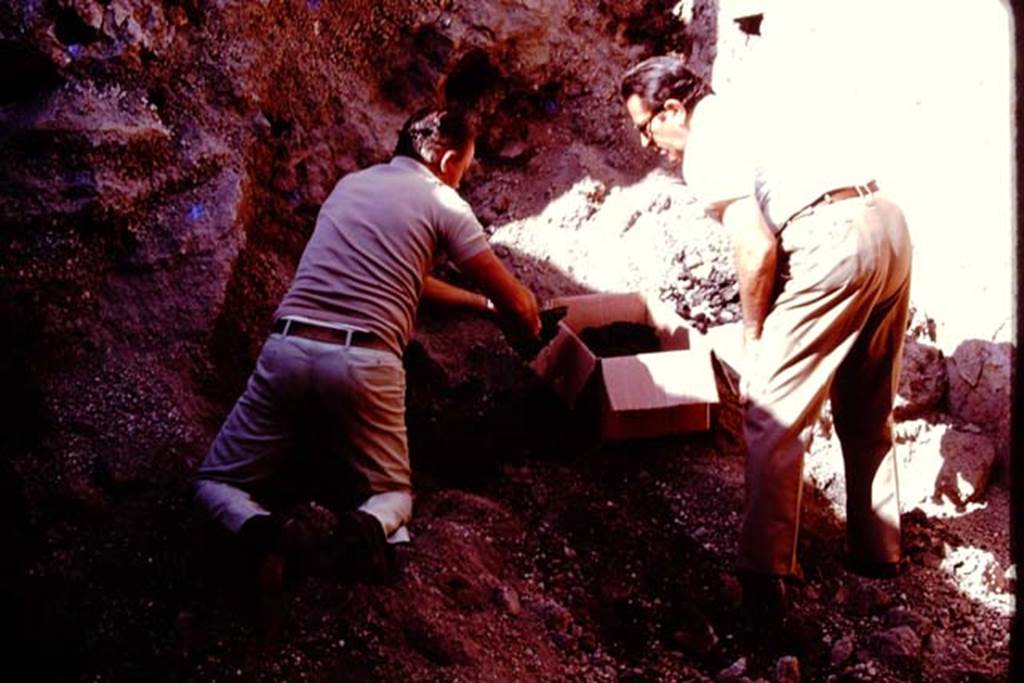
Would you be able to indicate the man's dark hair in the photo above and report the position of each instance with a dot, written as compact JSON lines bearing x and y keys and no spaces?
{"x":429,"y":132}
{"x":657,"y":79}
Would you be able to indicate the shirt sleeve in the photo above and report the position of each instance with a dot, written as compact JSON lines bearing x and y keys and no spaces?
{"x":718,"y":163}
{"x":462,"y":236}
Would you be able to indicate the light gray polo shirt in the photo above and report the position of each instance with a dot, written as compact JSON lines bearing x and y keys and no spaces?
{"x":376,"y":239}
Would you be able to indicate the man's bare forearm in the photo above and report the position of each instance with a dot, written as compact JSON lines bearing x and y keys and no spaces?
{"x":441,"y":293}
{"x":756,"y":255}
{"x":510,"y":296}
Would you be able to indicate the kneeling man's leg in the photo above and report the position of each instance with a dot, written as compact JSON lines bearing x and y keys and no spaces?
{"x":366,"y":400}
{"x":253,"y":442}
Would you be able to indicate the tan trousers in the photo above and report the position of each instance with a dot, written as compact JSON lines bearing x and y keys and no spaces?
{"x":836,"y":329}
{"x":359,"y":392}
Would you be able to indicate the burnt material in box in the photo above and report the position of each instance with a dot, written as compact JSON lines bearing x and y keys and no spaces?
{"x":620,"y":338}
{"x":641,"y":395}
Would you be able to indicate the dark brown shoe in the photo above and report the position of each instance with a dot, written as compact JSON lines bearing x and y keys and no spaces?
{"x":874,"y":570}
{"x":260,"y":534}
{"x":365,"y":556}
{"x":764,"y":596}
{"x":278,"y":549}
{"x":270,"y":574}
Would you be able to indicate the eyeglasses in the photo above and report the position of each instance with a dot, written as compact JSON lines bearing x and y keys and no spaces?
{"x":645,"y":127}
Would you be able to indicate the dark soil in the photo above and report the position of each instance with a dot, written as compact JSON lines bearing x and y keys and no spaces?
{"x":620,"y":339}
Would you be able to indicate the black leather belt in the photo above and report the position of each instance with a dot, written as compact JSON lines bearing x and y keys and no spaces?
{"x":329,"y":334}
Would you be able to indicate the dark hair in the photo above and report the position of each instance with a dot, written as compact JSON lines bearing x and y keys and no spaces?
{"x":657,"y":79}
{"x":428,"y":133}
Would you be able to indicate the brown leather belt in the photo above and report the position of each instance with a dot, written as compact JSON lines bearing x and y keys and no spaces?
{"x":361,"y":338}
{"x":833,"y":196}
{"x":841,"y":193}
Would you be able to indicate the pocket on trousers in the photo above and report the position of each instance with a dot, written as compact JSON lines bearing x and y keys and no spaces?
{"x":375,"y":370}
{"x":823,"y":251}
{"x":269,"y":353}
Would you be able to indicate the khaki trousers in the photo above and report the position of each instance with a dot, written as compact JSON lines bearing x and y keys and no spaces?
{"x":359,"y":393}
{"x":836,"y":330}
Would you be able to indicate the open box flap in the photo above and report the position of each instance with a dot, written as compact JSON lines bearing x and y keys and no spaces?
{"x":727,"y":343}
{"x":597,"y":310}
{"x":673,"y":332}
{"x":566,"y":363}
{"x":644,"y":424}
{"x":659,"y":380}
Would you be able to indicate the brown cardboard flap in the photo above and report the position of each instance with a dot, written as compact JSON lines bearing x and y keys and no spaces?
{"x":727,"y":343}
{"x":566,"y":364}
{"x":643,"y":395}
{"x":672,"y":331}
{"x":659,"y":380}
{"x":596,"y":310}
{"x":643,"y":424}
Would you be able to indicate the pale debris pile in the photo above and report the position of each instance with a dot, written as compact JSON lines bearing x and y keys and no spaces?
{"x":650,"y":237}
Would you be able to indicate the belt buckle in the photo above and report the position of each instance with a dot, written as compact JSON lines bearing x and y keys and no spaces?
{"x":866,"y":193}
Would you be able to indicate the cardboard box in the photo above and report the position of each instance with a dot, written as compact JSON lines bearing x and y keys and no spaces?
{"x":644,"y":395}
{"x":726,"y":341}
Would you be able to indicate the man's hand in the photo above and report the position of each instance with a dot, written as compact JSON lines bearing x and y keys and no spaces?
{"x":756,"y":253}
{"x":549,"y":318}
{"x":716,"y":210}
{"x":529,"y":316}
{"x":751,"y":340}
{"x":529,"y":347}
{"x":510,"y":297}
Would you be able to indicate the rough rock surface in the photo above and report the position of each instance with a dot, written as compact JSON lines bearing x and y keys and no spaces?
{"x":923,"y":380}
{"x":979,"y":387}
{"x":943,"y":462}
{"x":899,"y":645}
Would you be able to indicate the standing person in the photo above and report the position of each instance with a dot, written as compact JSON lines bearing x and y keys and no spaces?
{"x":338,"y":336}
{"x":823,"y":263}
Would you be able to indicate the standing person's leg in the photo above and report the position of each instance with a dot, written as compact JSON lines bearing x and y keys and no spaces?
{"x":862,"y":398}
{"x":253,"y":442}
{"x":824,"y":301}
